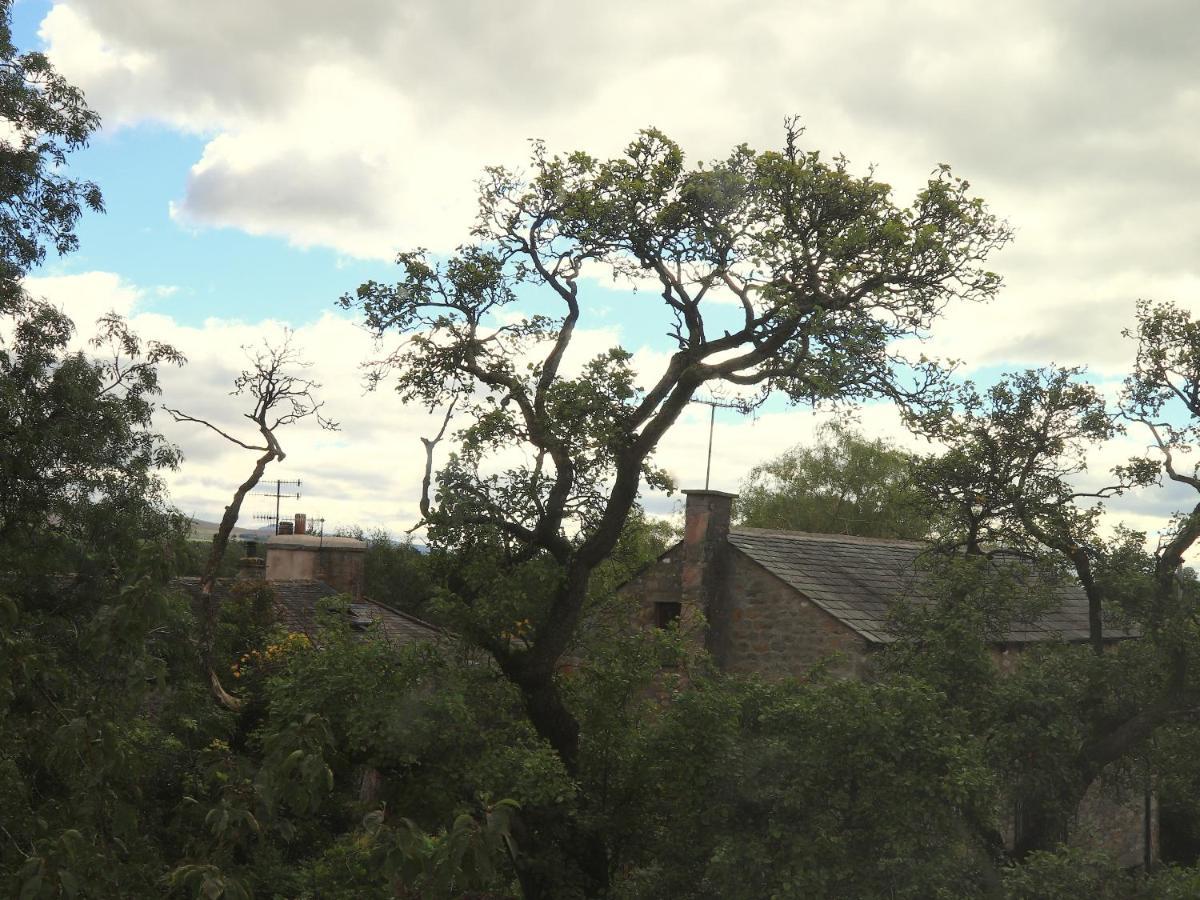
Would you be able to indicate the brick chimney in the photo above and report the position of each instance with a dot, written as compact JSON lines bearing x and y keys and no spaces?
{"x":252,"y":567}
{"x":705,"y":555}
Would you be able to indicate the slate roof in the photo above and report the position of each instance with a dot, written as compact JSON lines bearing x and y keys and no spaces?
{"x":857,"y":580}
{"x":296,"y":608}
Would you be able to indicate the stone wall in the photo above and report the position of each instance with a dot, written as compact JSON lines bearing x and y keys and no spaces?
{"x":775,"y":632}
{"x":1113,"y":819}
{"x":756,"y":624}
{"x":657,"y":583}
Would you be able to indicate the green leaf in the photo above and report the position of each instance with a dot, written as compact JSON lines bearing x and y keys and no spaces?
{"x":31,"y":888}
{"x":70,"y":884}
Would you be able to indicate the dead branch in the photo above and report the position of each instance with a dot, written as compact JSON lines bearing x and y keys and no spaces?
{"x":427,"y":478}
{"x":279,"y":398}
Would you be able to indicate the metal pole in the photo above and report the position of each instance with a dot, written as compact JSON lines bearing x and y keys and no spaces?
{"x":278,"y":488}
{"x":712,"y":420}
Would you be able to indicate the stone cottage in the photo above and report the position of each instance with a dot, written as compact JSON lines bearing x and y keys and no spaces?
{"x":776,"y":603}
{"x":304,"y":569}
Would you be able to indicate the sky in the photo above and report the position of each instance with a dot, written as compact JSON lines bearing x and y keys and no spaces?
{"x":261,"y":159}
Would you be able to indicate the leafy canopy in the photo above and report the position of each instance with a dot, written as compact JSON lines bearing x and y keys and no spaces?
{"x":45,"y":118}
{"x":843,"y":484}
{"x":824,"y":274}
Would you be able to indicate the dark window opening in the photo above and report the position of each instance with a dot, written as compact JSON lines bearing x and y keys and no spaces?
{"x":665,"y":613}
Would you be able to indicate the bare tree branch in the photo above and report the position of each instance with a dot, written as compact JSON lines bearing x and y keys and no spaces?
{"x":279,"y":398}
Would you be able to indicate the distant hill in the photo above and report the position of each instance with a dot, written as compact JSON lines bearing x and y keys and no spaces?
{"x":204,"y":531}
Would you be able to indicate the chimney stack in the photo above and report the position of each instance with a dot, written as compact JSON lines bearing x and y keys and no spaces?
{"x":301,"y":524}
{"x":337,"y":561}
{"x":707,"y":517}
{"x":251,"y":567}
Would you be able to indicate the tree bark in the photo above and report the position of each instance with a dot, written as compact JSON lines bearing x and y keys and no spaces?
{"x":1042,"y":824}
{"x":220,"y":541}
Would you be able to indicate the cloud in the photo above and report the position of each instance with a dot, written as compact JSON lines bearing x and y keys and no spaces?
{"x":87,"y":296}
{"x":368,"y":472}
{"x":343,"y":481}
{"x":261,"y":197}
{"x":362,"y":127}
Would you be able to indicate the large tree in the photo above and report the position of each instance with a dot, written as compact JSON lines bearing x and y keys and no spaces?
{"x":1014,"y":482}
{"x":826,"y":273}
{"x":85,"y":533}
{"x":845,"y":483}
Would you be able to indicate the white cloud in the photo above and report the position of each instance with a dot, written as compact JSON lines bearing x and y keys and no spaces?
{"x":86,"y":297}
{"x":362,"y":126}
{"x":343,"y":481}
{"x":368,"y":472}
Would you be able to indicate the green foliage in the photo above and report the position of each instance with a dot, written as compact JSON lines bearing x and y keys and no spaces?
{"x":82,"y":454}
{"x":195,"y":558}
{"x":47,"y":118}
{"x":247,"y":619}
{"x":207,"y":882}
{"x":90,"y":631}
{"x":1015,"y":453}
{"x":1177,"y":785}
{"x":878,"y":272}
{"x":578,"y":758}
{"x":1168,"y":359}
{"x":829,"y":273}
{"x":808,"y":790}
{"x":461,"y":859}
{"x":1069,"y":874}
{"x":844,"y":484}
{"x":397,"y":573}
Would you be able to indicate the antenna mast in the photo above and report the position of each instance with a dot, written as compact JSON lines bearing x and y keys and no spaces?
{"x":712,"y":421}
{"x":278,"y":494}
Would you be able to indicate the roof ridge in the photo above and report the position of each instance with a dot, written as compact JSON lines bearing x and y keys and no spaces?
{"x":414,"y":619}
{"x":829,"y":538}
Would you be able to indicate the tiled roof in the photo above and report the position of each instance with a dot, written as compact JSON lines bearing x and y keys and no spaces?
{"x":296,"y":608}
{"x":858,"y":580}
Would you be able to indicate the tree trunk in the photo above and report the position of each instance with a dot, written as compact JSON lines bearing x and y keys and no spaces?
{"x":209,"y":608}
{"x":550,"y":717}
{"x":1041,"y":824}
{"x":579,"y":853}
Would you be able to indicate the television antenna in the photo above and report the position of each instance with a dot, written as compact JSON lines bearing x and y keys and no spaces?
{"x":713,"y":405}
{"x":279,"y":494}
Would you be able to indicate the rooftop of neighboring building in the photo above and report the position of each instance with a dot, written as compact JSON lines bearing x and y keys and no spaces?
{"x":860,"y":580}
{"x":314,"y":542}
{"x":297,"y":602}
